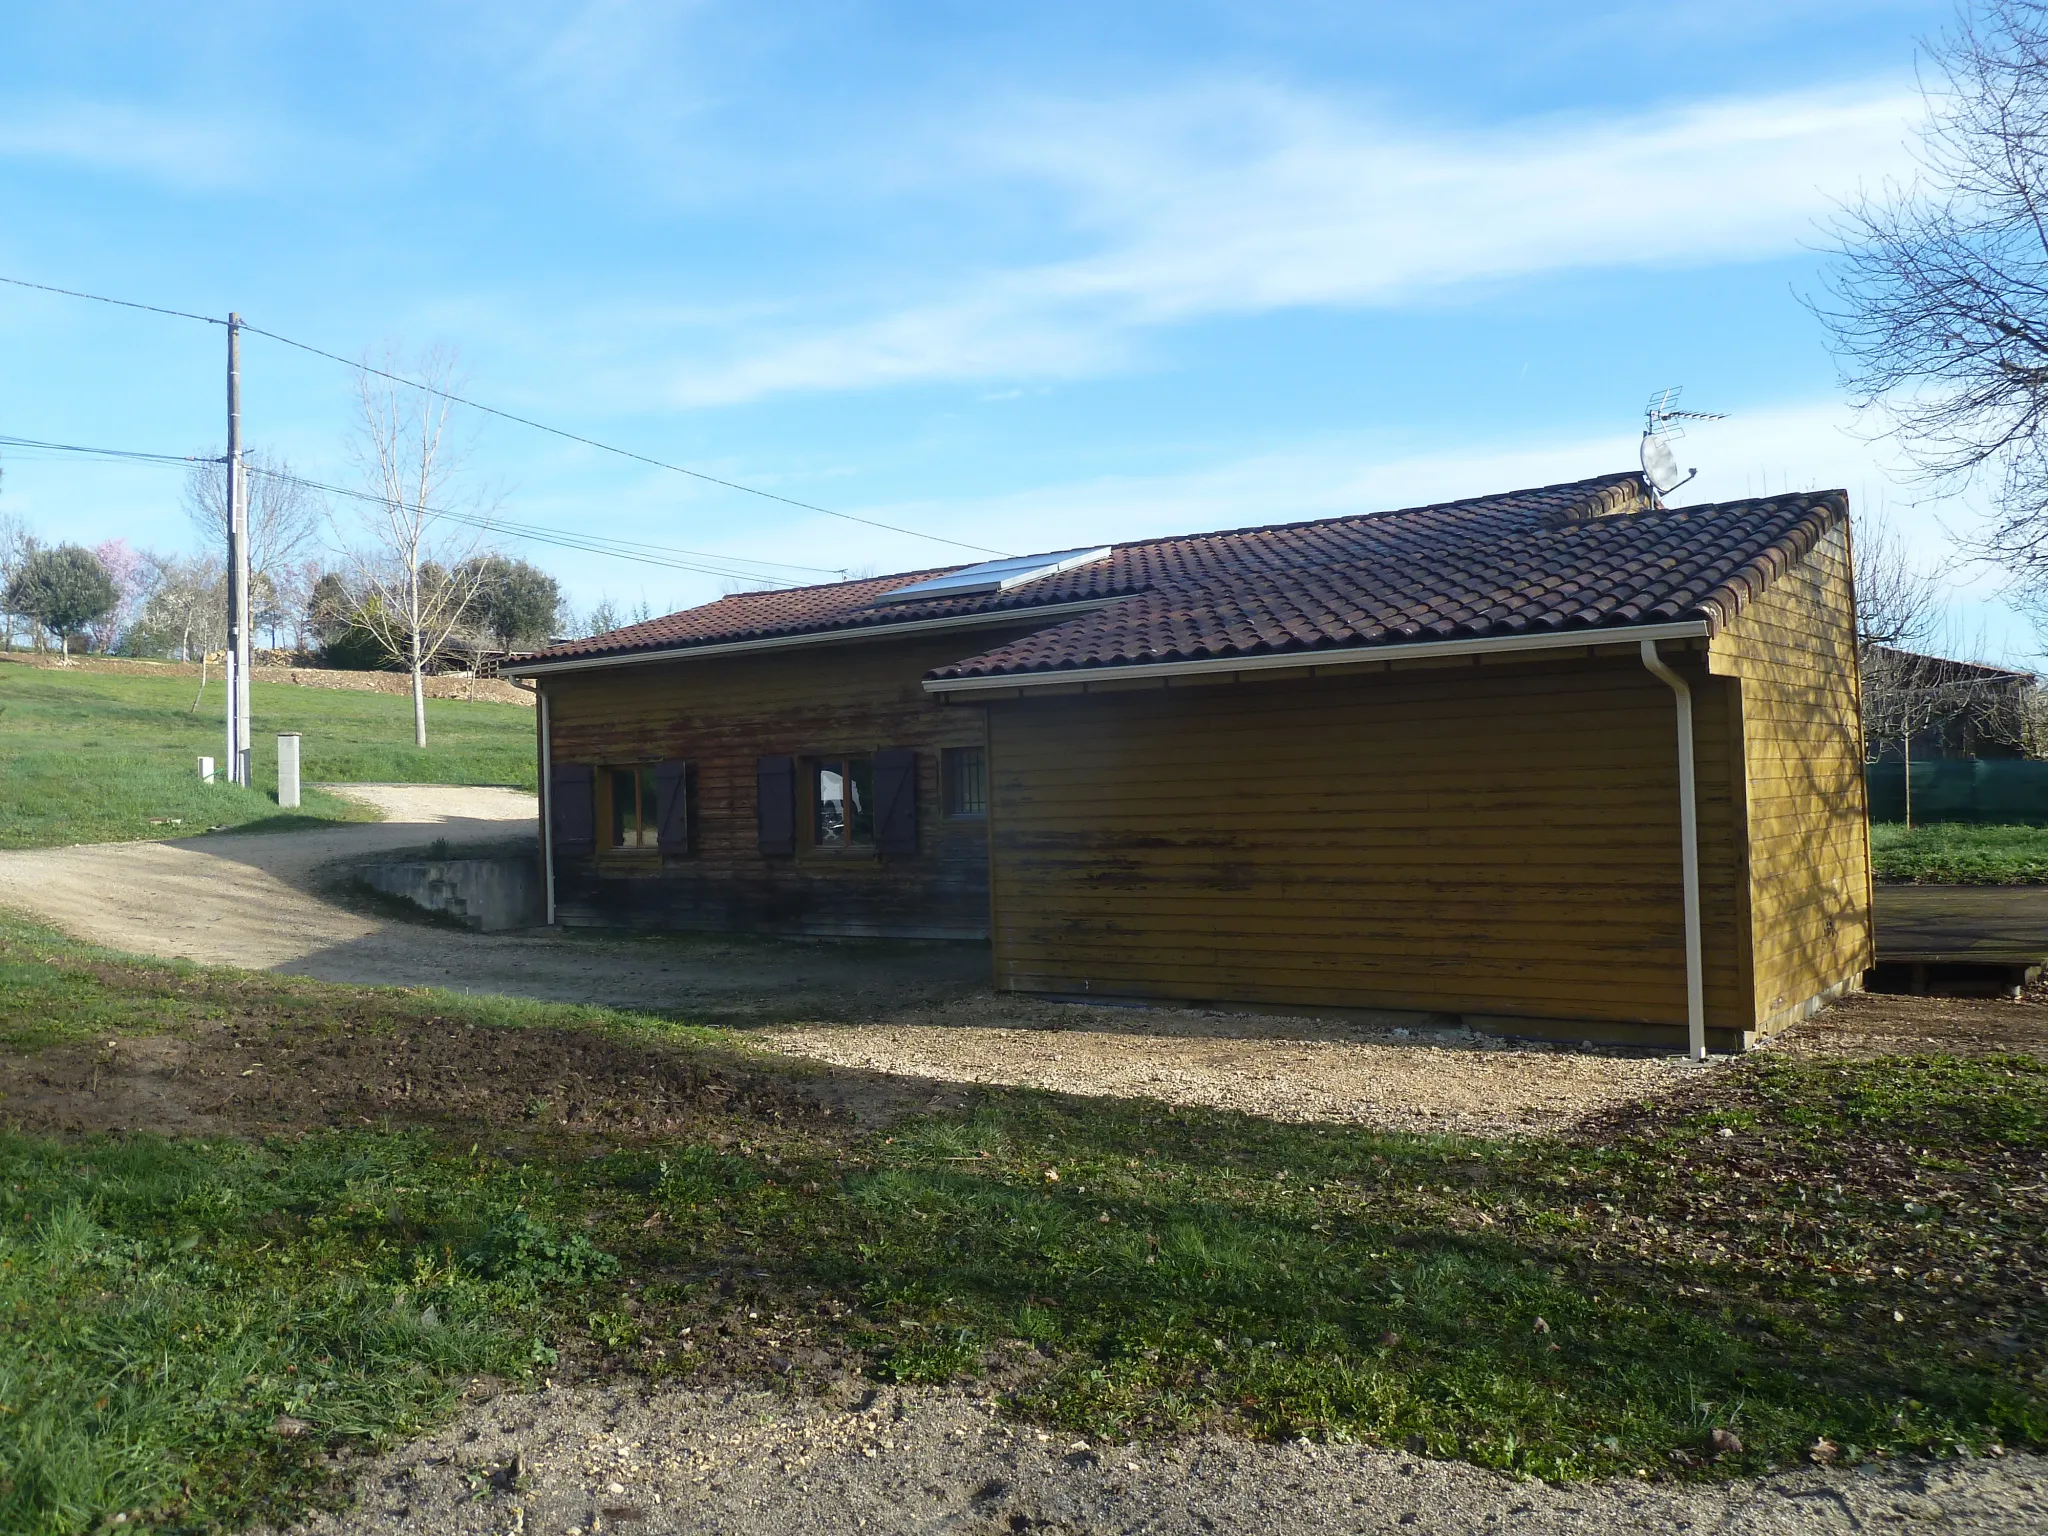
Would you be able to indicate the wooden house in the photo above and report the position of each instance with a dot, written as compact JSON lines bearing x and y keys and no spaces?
{"x":1555,"y":762}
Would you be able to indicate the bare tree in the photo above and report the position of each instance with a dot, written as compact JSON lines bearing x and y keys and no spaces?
{"x":1898,"y":603}
{"x":284,"y":516}
{"x":16,"y":545}
{"x":1939,"y":302}
{"x":415,"y":572}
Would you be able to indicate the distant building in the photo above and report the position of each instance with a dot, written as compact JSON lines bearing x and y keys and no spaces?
{"x":1944,"y":708}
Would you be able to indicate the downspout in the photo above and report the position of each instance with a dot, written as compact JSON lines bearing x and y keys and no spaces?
{"x":547,"y":803}
{"x":1689,"y":855}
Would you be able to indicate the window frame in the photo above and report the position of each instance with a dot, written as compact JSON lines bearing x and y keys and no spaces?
{"x":949,"y":807}
{"x":646,"y":813}
{"x":814,"y":765}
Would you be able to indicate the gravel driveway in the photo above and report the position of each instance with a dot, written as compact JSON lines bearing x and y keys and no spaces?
{"x":888,"y":1462}
{"x":266,"y":901}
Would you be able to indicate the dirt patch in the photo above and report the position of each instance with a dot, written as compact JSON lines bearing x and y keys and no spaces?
{"x":753,"y":1463}
{"x":257,"y":1077}
{"x":1880,"y":1024}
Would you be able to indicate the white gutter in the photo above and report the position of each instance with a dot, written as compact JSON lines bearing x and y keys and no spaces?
{"x":547,"y":803}
{"x":1347,"y":656}
{"x":1689,"y":855}
{"x":820,"y":637}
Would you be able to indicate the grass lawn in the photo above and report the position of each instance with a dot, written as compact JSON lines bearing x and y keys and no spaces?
{"x":430,"y":1187}
{"x":91,"y":756}
{"x":1956,"y":853}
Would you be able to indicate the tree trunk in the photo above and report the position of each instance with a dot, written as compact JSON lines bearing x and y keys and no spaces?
{"x":419,"y":692}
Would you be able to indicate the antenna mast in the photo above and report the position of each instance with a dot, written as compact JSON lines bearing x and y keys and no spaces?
{"x":1662,"y":426}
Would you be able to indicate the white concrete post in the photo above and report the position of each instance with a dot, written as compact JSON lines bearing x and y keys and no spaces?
{"x":288,"y":771}
{"x":206,"y":770}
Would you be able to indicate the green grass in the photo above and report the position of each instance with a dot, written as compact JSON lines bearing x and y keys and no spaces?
{"x":1954,"y":853}
{"x":1849,"y":1249}
{"x":91,"y":756}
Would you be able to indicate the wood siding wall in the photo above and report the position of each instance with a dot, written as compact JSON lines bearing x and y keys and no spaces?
{"x":721,"y":716}
{"x":1794,"y":651}
{"x":1499,"y":840}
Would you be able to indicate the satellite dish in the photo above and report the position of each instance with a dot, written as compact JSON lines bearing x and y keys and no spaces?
{"x":1660,"y":466}
{"x":1663,"y":423}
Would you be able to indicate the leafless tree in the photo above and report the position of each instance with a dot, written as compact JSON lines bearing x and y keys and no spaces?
{"x":292,"y":587}
{"x":1939,"y":301}
{"x":414,"y":570}
{"x":16,"y":545}
{"x":1898,"y":602}
{"x":1909,"y":694}
{"x":284,"y":516}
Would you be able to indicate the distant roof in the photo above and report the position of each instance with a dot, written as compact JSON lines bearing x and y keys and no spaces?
{"x":1589,"y":554}
{"x":1951,"y":670}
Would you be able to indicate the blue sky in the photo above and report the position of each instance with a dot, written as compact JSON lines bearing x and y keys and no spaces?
{"x":1022,"y":276}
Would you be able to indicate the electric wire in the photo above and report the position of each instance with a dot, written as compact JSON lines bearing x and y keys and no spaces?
{"x":624,"y":453}
{"x":695,"y":561}
{"x":100,"y":298}
{"x":524,"y":421}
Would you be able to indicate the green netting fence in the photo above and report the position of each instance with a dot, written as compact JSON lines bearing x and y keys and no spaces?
{"x":1979,"y":789}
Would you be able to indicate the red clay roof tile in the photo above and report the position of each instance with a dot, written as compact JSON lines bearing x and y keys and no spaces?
{"x":1588,"y":554}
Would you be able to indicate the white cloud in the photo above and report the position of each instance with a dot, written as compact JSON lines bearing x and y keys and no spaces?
{"x":1236,"y":200}
{"x":189,"y":152}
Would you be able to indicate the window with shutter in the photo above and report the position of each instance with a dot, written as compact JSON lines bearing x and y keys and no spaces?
{"x":573,"y":804}
{"x":896,"y":801}
{"x":672,"y":807}
{"x":775,"y":806}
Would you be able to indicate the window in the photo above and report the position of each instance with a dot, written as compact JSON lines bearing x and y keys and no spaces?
{"x":635,"y":819}
{"x":843,"y":802}
{"x":966,"y":771}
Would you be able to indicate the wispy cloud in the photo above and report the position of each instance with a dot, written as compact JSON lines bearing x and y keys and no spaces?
{"x":1243,"y":199}
{"x":186,"y":151}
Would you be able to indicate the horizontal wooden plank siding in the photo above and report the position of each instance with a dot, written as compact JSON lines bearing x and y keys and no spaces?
{"x":1794,"y":651}
{"x":722,"y":716}
{"x":1494,"y":840}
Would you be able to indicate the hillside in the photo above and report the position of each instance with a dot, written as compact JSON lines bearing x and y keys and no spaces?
{"x":91,"y":754}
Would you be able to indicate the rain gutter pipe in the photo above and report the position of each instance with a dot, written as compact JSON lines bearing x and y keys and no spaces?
{"x":1689,"y":854}
{"x":547,"y":802}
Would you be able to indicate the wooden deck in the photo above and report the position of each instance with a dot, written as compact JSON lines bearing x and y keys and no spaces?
{"x":1972,"y":940}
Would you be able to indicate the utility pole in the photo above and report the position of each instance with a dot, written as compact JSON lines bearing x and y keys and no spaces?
{"x":238,"y":571}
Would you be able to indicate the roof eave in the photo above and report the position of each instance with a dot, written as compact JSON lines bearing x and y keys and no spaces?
{"x":987,"y":618}
{"x":1336,"y":656}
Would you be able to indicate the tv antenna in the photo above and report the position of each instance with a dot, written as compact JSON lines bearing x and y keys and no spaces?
{"x":1663,"y":425}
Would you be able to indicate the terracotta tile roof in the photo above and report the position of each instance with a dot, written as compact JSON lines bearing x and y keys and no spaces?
{"x":1588,"y":554}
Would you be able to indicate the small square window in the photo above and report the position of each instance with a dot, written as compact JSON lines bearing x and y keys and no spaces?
{"x":843,"y":802}
{"x":966,"y":775}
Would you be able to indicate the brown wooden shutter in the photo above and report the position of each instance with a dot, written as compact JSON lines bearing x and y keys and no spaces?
{"x":775,"y":781}
{"x":572,"y":798}
{"x":896,"y":801}
{"x":672,"y":807}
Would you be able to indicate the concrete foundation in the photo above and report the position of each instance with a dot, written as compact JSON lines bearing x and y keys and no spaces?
{"x":485,"y":894}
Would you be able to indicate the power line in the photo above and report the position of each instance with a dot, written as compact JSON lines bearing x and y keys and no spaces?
{"x":624,"y":549}
{"x":624,"y":453}
{"x":100,"y":298}
{"x":524,"y":421}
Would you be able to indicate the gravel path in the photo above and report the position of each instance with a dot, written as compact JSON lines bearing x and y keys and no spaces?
{"x":264,"y":901}
{"x":1294,"y":1069}
{"x":752,"y":1464}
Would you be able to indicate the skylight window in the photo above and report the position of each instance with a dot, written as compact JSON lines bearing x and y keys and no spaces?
{"x":994,"y":575}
